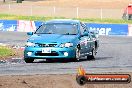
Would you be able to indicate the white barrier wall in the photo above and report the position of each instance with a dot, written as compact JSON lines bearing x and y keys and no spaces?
{"x":30,"y":26}
{"x":26,"y":26}
{"x":130,"y":30}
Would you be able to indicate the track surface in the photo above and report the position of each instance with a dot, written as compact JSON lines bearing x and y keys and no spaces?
{"x":114,"y":55}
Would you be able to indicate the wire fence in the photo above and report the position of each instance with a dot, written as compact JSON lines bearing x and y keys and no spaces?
{"x":29,"y":10}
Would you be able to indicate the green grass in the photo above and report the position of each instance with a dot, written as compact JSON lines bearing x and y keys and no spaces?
{"x":106,"y":20}
{"x":5,"y":51}
{"x":42,"y":18}
{"x":32,"y":18}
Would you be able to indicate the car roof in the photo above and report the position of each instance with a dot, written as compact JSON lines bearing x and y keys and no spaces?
{"x":63,"y":21}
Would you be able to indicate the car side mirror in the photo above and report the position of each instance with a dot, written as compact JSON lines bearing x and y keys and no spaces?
{"x":92,"y":32}
{"x":85,"y":34}
{"x":29,"y":33}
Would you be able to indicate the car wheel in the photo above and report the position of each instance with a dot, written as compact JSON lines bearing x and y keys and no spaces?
{"x":93,"y":54}
{"x":27,"y":60}
{"x":124,"y":17}
{"x":81,"y":80}
{"x":77,"y":55}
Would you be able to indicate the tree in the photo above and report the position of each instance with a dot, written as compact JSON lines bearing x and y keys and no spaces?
{"x":4,"y":1}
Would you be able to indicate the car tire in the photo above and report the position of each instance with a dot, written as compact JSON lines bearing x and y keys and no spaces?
{"x":77,"y":56}
{"x":92,"y":56}
{"x":81,"y":80}
{"x":124,"y":17}
{"x":27,"y":60}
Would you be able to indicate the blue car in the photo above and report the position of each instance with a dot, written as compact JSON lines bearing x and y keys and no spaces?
{"x":61,"y":39}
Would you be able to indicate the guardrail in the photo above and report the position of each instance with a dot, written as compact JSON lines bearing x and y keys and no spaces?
{"x":103,"y":29}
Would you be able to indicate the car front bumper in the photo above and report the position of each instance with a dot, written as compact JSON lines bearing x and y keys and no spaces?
{"x":56,"y":52}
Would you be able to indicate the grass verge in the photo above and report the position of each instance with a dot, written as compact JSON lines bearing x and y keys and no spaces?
{"x":6,"y":52}
{"x":42,"y":18}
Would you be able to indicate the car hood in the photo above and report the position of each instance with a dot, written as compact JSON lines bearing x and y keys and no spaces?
{"x":52,"y":38}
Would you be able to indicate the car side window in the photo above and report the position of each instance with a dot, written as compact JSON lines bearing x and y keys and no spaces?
{"x":83,"y":27}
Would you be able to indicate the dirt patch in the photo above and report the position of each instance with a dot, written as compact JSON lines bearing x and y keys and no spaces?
{"x":51,"y":81}
{"x":68,"y":8}
{"x":113,"y":4}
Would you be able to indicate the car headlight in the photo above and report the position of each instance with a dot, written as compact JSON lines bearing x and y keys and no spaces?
{"x":30,"y":44}
{"x":66,"y":45}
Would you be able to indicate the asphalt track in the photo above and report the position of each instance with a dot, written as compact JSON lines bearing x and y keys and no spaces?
{"x":114,"y":55}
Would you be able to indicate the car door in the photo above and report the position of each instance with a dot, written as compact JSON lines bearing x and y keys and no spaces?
{"x":83,"y":40}
{"x":83,"y":43}
{"x":89,"y":43}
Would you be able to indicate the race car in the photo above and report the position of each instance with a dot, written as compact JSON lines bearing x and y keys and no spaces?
{"x":127,"y":15}
{"x":62,"y":39}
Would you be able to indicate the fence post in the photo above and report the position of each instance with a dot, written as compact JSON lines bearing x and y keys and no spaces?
{"x":9,"y":8}
{"x":31,"y":11}
{"x":127,"y":14}
{"x":77,"y":14}
{"x":101,"y":14}
{"x":54,"y":10}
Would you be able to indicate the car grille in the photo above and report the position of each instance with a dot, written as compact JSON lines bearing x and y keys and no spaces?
{"x":53,"y":53}
{"x":47,"y":45}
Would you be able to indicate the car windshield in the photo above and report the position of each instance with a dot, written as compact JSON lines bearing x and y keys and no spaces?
{"x":58,"y":28}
